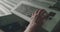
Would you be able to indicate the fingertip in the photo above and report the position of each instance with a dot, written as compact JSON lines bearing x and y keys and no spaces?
{"x":32,"y":14}
{"x":43,"y":12}
{"x":37,"y":11}
{"x":40,"y":11}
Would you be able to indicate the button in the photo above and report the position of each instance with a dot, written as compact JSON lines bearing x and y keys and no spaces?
{"x":52,"y":14}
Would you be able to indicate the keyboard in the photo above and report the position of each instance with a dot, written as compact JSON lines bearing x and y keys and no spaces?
{"x":26,"y":10}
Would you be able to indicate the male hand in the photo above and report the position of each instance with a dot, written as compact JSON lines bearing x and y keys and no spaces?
{"x":39,"y":17}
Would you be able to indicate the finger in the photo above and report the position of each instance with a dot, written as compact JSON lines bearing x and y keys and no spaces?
{"x":45,"y":17}
{"x":37,"y":11}
{"x":44,"y":13}
{"x":41,"y":11}
{"x":32,"y":14}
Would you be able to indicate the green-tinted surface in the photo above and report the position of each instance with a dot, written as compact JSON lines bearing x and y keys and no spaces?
{"x":6,"y":20}
{"x":10,"y":19}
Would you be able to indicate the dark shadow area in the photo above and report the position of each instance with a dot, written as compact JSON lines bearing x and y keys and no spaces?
{"x":57,"y":28}
{"x":12,"y":23}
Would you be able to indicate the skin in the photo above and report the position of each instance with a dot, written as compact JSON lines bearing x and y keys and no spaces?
{"x":37,"y":20}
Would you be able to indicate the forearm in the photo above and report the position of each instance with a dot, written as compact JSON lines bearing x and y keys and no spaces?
{"x":32,"y":28}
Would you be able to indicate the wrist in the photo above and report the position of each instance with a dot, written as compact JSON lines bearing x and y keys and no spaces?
{"x":35,"y":24}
